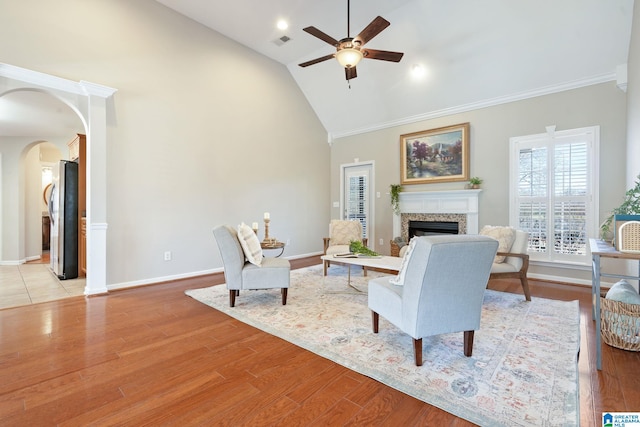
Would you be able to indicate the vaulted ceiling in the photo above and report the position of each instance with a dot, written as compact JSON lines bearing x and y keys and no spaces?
{"x":473,"y":53}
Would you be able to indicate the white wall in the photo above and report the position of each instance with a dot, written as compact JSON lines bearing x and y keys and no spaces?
{"x":200,"y":132}
{"x":491,"y":128}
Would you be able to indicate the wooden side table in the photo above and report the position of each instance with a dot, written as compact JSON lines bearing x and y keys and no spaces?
{"x":275,"y":245}
{"x":601,"y":249}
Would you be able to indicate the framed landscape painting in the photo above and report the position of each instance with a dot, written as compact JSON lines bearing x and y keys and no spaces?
{"x":436,"y":155}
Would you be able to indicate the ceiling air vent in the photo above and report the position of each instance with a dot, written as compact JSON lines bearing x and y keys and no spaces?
{"x":282,"y":40}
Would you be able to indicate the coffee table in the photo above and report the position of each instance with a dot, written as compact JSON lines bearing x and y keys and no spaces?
{"x":381,"y":262}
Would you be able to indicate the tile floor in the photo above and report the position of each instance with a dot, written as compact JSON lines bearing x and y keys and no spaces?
{"x":34,"y":282}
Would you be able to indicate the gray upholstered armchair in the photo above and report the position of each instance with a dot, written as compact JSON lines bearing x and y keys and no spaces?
{"x":241,"y":274}
{"x":441,"y":287}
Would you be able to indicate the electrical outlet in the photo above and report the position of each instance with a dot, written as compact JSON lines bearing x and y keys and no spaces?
{"x":288,"y":242}
{"x":167,"y":256}
{"x":381,"y":242}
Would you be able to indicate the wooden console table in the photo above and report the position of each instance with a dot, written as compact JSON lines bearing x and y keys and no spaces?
{"x":601,"y":249}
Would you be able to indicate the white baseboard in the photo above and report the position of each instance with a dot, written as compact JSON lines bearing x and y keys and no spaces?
{"x":151,"y":281}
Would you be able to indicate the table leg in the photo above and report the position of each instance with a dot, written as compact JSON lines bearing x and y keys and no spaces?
{"x":596,"y":292}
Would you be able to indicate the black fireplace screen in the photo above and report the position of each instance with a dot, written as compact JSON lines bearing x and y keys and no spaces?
{"x":426,"y":228}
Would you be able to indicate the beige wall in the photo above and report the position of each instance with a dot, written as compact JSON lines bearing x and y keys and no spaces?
{"x":200,"y":132}
{"x":491,"y":128}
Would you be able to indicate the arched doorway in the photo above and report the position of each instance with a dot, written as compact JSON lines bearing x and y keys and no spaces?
{"x":90,"y":101}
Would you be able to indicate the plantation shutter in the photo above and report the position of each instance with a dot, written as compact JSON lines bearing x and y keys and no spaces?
{"x":553,"y":185}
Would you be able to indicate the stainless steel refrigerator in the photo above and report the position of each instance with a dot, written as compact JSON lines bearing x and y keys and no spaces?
{"x":63,"y":211}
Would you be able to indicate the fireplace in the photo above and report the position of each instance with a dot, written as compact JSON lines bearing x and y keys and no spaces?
{"x":432,"y":224}
{"x":427,"y":228}
{"x":446,"y":206}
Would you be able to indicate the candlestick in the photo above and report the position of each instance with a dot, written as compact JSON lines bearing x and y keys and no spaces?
{"x":254,"y":226}
{"x":266,"y":228}
{"x":267,"y":216}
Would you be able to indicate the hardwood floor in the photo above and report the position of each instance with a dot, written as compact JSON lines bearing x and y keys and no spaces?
{"x":153,"y":356}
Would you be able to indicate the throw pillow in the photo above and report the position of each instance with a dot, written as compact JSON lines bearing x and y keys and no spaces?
{"x":399,"y":279}
{"x":622,"y":291}
{"x":504,"y":235}
{"x":343,"y":232}
{"x":250,"y":244}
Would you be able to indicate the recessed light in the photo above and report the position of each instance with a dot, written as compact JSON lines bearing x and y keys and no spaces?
{"x":282,"y":24}
{"x":417,"y":70}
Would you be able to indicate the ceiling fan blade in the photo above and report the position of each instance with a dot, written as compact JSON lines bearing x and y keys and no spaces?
{"x":350,"y":73}
{"x":315,"y":61}
{"x":383,"y":55}
{"x":372,"y":30}
{"x":322,"y":36}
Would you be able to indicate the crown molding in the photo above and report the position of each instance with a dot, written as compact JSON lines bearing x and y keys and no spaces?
{"x":52,"y":82}
{"x":547,"y":90}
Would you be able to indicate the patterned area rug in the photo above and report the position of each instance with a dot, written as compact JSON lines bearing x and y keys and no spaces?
{"x":523,"y":371}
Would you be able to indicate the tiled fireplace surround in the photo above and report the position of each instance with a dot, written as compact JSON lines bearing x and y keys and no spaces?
{"x":459,"y":206}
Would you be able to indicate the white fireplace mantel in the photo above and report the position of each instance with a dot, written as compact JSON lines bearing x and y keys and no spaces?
{"x":440,"y":202}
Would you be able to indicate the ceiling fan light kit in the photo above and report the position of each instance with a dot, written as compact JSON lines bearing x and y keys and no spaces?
{"x":350,"y":51}
{"x":349,"y":56}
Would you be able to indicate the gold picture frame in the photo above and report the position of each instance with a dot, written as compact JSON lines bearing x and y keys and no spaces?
{"x":435,"y":155}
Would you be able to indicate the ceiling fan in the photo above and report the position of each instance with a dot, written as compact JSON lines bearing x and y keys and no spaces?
{"x":350,"y":50}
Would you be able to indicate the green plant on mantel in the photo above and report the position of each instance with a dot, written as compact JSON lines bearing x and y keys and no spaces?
{"x":630,"y":206}
{"x":395,"y":190}
{"x":475,"y":181}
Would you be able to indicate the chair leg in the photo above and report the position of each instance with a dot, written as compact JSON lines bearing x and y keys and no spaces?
{"x":525,"y":287}
{"x":417,"y":350}
{"x":284,"y":296}
{"x":468,"y":343}
{"x":232,"y":297}
{"x":375,"y":318}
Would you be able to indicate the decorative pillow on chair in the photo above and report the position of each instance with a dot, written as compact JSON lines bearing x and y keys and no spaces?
{"x":399,"y":279}
{"x":250,"y":244}
{"x":343,"y":232}
{"x":504,"y":235}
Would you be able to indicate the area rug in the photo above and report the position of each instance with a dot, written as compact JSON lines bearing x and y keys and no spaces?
{"x":523,"y":371}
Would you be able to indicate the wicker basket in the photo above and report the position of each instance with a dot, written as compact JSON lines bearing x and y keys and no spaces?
{"x":620,"y":324}
{"x":395,"y":249}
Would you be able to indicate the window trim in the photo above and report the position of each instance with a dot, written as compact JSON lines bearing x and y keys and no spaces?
{"x":547,"y":139}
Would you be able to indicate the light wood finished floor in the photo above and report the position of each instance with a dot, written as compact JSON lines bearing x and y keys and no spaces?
{"x":153,"y":356}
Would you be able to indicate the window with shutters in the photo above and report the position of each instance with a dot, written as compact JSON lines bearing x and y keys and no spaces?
{"x":357,"y":201}
{"x":553,"y":188}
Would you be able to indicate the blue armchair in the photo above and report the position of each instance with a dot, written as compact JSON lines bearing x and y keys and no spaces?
{"x":241,"y":274}
{"x":441,"y":288}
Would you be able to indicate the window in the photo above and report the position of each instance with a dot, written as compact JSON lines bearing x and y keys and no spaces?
{"x":357,"y":195}
{"x":554,"y":192}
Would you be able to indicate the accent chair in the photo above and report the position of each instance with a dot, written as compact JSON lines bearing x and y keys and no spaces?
{"x":241,"y":274}
{"x":341,"y":234}
{"x":512,"y":260}
{"x":439,"y":289}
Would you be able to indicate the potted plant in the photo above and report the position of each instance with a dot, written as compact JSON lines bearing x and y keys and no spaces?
{"x":630,"y":206}
{"x":395,"y":190}
{"x":475,"y":182}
